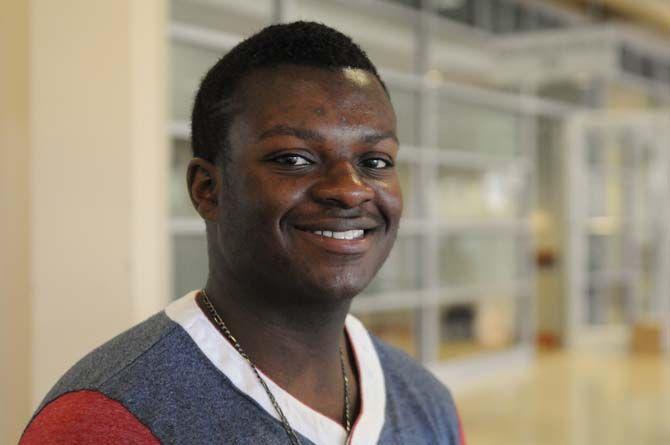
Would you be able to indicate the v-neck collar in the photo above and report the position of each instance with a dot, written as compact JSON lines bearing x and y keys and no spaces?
{"x":315,"y":426}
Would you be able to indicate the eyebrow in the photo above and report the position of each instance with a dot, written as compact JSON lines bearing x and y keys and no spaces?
{"x":303,"y":133}
{"x":374,"y":137}
{"x":285,"y":130}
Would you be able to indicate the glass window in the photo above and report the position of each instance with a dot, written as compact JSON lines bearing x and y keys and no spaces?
{"x":395,"y":327}
{"x":629,"y":60}
{"x":406,"y":108}
{"x":485,"y":13}
{"x":605,"y":176}
{"x":189,"y":64}
{"x":606,"y":252}
{"x":608,"y":303}
{"x":416,"y":4}
{"x":476,"y":128}
{"x":477,"y":193}
{"x":241,"y":18}
{"x":550,"y":173}
{"x":180,"y":203}
{"x":646,"y":226}
{"x":569,"y":91}
{"x":547,"y":22}
{"x":663,"y":72}
{"x":647,"y":67}
{"x":479,"y":259}
{"x":647,"y":279}
{"x":622,"y":258}
{"x":488,"y":325}
{"x":459,"y":10}
{"x":505,"y":19}
{"x":406,"y":175}
{"x":527,"y":20}
{"x":642,"y":175}
{"x":401,"y":271}
{"x":190,"y":263}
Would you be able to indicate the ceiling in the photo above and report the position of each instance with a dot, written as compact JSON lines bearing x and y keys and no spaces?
{"x":648,"y":13}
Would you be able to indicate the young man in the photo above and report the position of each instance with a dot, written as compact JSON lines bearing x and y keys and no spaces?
{"x":294,"y":139}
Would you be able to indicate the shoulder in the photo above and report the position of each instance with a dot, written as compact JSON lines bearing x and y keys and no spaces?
{"x":86,"y":417}
{"x":113,"y":357}
{"x":401,"y":369}
{"x":416,"y":396}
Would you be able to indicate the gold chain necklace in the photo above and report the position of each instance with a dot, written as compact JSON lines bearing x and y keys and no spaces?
{"x":287,"y":427}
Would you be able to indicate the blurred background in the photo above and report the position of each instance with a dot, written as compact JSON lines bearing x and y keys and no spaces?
{"x":532,"y":269}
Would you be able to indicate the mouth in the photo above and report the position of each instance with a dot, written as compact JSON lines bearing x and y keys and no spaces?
{"x":346,"y":235}
{"x":343,"y":242}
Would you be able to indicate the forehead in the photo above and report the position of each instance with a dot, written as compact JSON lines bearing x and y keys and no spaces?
{"x":304,"y":95}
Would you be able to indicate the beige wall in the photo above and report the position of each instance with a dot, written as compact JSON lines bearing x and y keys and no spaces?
{"x":15,"y":332}
{"x":84,"y":174}
{"x":97,"y":175}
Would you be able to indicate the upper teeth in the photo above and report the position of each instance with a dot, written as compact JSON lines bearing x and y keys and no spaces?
{"x":349,"y":234}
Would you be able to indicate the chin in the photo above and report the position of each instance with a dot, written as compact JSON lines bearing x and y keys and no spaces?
{"x":342,"y":288}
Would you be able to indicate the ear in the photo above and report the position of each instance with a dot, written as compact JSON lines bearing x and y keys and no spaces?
{"x":204,"y":184}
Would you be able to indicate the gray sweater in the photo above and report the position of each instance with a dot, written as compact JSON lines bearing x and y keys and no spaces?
{"x":177,"y":375}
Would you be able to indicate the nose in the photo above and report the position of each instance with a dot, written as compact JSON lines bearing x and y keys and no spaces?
{"x":343,"y":187}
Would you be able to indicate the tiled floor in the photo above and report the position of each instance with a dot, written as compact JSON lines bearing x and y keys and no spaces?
{"x":574,"y":399}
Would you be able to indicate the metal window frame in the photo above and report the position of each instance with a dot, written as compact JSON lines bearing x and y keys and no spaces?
{"x":428,"y":158}
{"x":579,"y":278}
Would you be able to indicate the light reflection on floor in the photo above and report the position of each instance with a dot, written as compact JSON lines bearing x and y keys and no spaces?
{"x":574,"y":399}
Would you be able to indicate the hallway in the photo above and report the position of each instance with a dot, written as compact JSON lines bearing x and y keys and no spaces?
{"x":574,"y":399}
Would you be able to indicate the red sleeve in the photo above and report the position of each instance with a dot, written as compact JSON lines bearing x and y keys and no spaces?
{"x":86,"y":417}
{"x":461,"y":434}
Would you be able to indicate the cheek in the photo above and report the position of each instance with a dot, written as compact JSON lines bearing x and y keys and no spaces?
{"x":262,"y":202}
{"x":391,"y":201}
{"x":277,"y":197}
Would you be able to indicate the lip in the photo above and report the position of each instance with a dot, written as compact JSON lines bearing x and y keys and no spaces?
{"x":340,"y":224}
{"x":338,"y":246}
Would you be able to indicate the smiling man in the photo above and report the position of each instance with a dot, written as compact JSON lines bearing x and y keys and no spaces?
{"x":294,"y":141}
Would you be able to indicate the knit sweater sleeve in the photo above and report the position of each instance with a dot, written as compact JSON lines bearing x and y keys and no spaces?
{"x":86,"y":417}
{"x":461,"y":433}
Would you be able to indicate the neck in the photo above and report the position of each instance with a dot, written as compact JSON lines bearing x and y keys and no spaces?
{"x":294,"y":342}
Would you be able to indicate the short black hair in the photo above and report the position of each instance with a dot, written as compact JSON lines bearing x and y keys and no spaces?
{"x":298,"y":43}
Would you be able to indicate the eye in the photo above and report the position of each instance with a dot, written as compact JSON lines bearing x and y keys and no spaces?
{"x":292,"y":160}
{"x":377,"y":163}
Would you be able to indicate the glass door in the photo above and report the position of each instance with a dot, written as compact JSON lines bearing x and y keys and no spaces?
{"x":617,"y":187}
